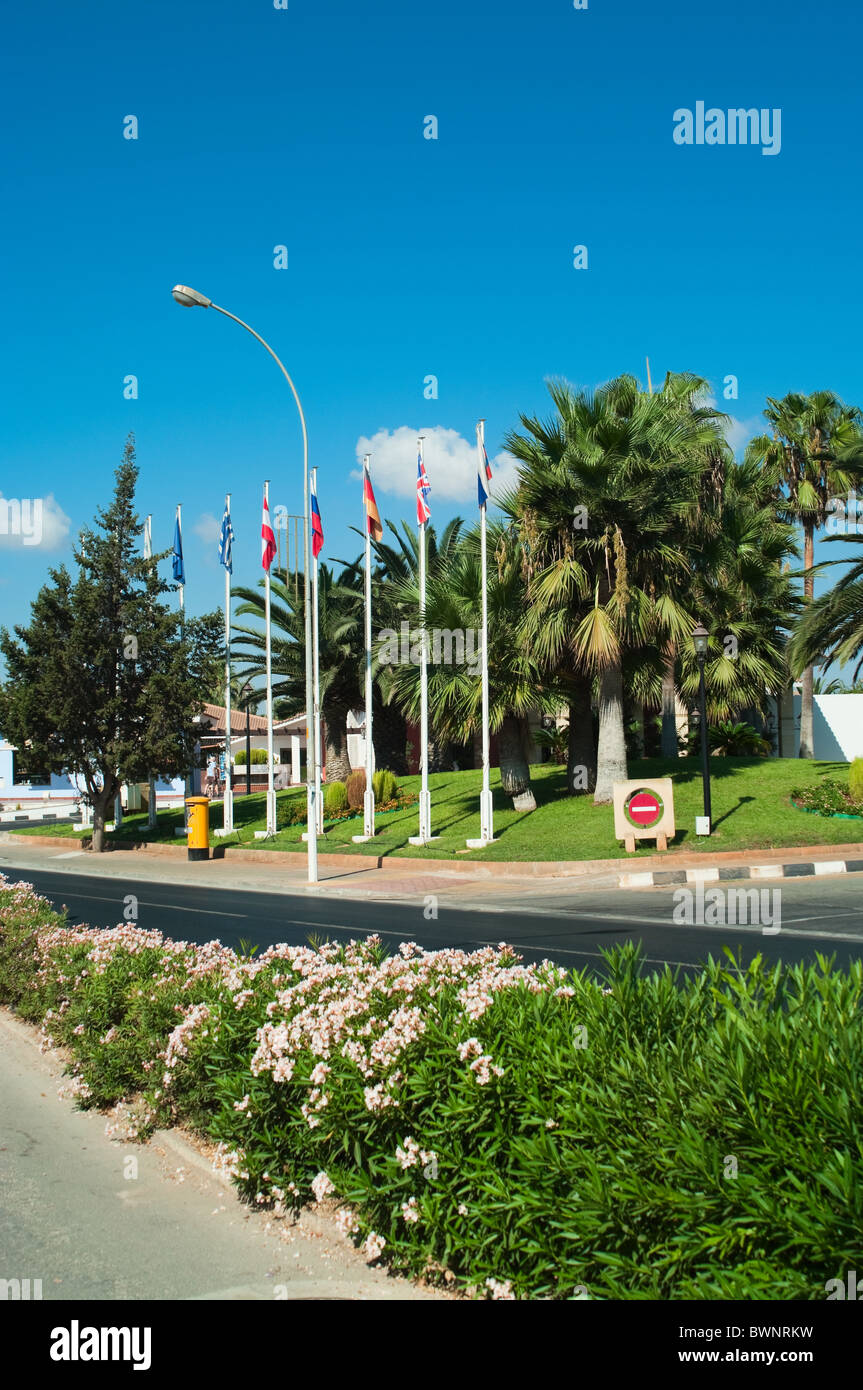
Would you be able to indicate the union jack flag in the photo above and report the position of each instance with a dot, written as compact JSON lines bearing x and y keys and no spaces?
{"x":423,"y":490}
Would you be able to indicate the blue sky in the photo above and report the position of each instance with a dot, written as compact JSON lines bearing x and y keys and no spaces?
{"x":407,"y":257}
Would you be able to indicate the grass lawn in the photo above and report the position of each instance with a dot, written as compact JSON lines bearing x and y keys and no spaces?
{"x":751,"y":810}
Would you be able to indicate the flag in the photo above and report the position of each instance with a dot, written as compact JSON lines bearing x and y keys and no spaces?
{"x":226,"y":542}
{"x":179,"y":571}
{"x":268,"y":539}
{"x":317,"y":528}
{"x":373,"y":516}
{"x":423,"y":490}
{"x":483,"y":477}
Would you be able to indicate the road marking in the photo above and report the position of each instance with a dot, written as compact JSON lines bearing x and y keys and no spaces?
{"x":166,"y":907}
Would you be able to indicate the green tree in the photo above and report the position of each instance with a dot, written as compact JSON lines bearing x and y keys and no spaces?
{"x":340,"y":647}
{"x":105,"y":680}
{"x":605,"y":493}
{"x":814,"y":455}
{"x":831,"y":627}
{"x":453,"y":621}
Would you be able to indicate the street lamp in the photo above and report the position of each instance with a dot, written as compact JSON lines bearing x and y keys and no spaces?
{"x":700,"y":639}
{"x":192,"y":299}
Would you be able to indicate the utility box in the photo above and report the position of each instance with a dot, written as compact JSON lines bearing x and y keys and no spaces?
{"x":198,"y":826}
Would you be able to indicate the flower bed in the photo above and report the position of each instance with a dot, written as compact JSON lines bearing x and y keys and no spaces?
{"x":512,"y":1130}
{"x":829,"y":798}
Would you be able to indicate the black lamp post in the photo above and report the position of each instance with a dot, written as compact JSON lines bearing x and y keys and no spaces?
{"x":246,"y":692}
{"x":700,"y":638}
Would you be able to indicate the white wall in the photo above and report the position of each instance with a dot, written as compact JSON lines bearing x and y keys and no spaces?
{"x":837,"y":728}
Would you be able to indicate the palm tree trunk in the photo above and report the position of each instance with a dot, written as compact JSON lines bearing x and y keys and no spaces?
{"x":514,"y":767}
{"x":807,"y":695}
{"x":581,"y":745}
{"x":669,"y":705}
{"x":611,"y":750}
{"x":335,"y":728}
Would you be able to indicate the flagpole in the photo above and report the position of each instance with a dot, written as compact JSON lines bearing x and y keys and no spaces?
{"x":180,"y":525}
{"x":369,"y":795}
{"x":486,"y":804}
{"x":151,"y":791}
{"x":317,"y":681}
{"x":271,"y":791}
{"x":425,"y":795}
{"x":228,"y":796}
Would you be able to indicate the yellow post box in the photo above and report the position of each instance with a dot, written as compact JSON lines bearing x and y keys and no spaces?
{"x":198,"y":826}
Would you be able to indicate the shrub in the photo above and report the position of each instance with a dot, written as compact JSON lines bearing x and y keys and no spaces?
{"x":335,"y":798}
{"x":855,"y":779}
{"x":355,"y":787}
{"x":524,"y":1131}
{"x":259,"y":755}
{"x":290,"y":810}
{"x":385,"y":787}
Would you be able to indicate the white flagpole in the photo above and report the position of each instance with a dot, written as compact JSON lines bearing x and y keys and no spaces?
{"x":271,"y":791}
{"x":425,"y":795}
{"x":369,"y":797}
{"x":151,"y":796}
{"x":228,"y":798}
{"x":486,"y":805}
{"x":319,"y":801}
{"x":180,"y":522}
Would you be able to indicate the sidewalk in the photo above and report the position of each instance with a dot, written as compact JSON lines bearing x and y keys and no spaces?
{"x":93,"y":1218}
{"x":393,"y":879}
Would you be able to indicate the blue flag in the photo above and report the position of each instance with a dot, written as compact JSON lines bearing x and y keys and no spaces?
{"x":226,"y":542}
{"x":177,"y":560}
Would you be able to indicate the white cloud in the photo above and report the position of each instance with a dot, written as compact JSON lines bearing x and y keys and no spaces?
{"x":33,"y":523}
{"x":450,"y":460}
{"x":739,"y":432}
{"x":207,"y":528}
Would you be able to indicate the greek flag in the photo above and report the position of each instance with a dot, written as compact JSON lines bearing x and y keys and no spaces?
{"x":226,"y":542}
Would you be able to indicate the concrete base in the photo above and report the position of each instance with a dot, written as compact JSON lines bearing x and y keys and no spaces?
{"x":221,"y":832}
{"x":361,"y":839}
{"x":305,"y":836}
{"x":479,"y":844}
{"x":263,"y":835}
{"x":422,"y":839}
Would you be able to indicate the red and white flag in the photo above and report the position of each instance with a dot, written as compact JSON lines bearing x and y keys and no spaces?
{"x":268,"y":539}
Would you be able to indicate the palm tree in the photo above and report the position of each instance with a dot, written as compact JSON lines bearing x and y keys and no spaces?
{"x":831,"y":628}
{"x":454,"y":606}
{"x":398,"y":565}
{"x":340,"y":647}
{"x":814,"y":455}
{"x":628,"y":466}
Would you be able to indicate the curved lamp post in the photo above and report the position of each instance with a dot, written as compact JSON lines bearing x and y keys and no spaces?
{"x":700,"y":639}
{"x":193,"y":299}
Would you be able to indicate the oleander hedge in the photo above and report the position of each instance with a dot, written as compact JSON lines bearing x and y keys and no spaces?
{"x":512,"y":1131}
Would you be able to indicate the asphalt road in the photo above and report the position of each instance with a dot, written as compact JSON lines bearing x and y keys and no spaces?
{"x":817,"y":915}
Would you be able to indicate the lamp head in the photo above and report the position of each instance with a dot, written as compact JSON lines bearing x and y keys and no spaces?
{"x":189,"y":298}
{"x":700,"y":638}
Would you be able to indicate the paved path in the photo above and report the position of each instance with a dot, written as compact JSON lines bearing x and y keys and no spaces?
{"x":70,"y":1215}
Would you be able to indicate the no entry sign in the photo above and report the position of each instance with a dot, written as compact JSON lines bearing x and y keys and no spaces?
{"x":644,"y":808}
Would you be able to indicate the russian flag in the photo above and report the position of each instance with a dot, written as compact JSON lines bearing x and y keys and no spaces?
{"x":317,"y":528}
{"x":483,"y":475}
